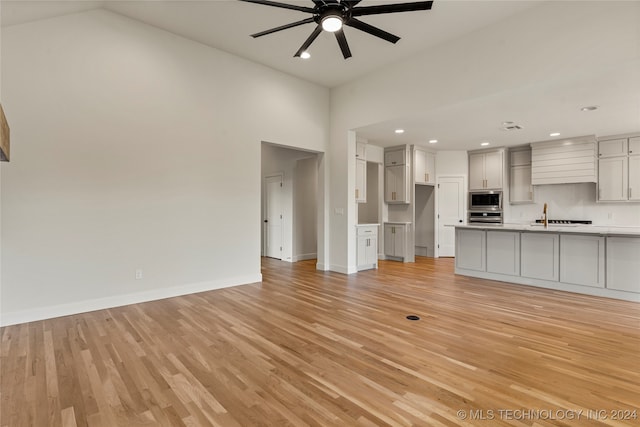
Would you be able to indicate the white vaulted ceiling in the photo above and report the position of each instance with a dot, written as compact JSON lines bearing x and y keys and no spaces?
{"x":549,"y":105}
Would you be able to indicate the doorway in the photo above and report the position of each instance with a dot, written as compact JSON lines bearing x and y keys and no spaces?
{"x":273,"y":216}
{"x":450,"y":211}
{"x":291,"y":196}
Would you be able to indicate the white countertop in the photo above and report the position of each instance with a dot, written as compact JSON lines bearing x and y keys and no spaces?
{"x":398,"y":222}
{"x":561,"y":228}
{"x":367,"y":225}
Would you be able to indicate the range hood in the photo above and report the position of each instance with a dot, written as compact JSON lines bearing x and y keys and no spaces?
{"x":564,"y":161}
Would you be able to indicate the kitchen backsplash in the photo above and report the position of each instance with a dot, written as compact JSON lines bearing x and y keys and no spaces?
{"x":573,"y":201}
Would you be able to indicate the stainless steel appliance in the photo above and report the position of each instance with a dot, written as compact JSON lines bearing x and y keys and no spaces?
{"x":485,"y":217}
{"x":485,"y":200}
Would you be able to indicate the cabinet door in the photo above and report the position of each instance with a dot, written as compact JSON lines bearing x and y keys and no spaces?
{"x":582,"y":260}
{"x":399,"y":241}
{"x":371,"y":251}
{"x":612,"y":147}
{"x":634,"y":145}
{"x":430,"y":168}
{"x":493,"y":170}
{"x":361,"y":181}
{"x":634,"y":177}
{"x":520,"y":157}
{"x":613,"y":178}
{"x":420,"y":167}
{"x":471,"y":249}
{"x":476,"y":172}
{"x":520,"y":188}
{"x":539,"y":256}
{"x":388,"y":240}
{"x":362,"y":251}
{"x":395,"y":184}
{"x":623,"y":263}
{"x":503,"y":252}
{"x":361,"y":150}
{"x":395,"y":157}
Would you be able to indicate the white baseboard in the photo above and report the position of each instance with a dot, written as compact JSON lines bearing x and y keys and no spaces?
{"x":303,"y":257}
{"x":41,"y":313}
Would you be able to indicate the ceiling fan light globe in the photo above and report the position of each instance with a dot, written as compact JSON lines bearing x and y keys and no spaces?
{"x":331,"y":23}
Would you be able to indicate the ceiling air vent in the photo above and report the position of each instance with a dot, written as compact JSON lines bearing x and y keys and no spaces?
{"x":511,"y":127}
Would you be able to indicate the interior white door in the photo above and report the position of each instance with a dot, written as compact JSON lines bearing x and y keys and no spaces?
{"x":273,"y":216}
{"x":450,"y":212}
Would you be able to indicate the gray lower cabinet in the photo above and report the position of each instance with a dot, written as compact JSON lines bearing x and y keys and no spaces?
{"x":395,"y":240}
{"x":540,"y":256}
{"x":471,"y":249}
{"x":503,"y":252}
{"x":582,"y":260}
{"x":623,"y":263}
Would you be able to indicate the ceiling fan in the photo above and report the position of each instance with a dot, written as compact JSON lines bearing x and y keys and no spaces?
{"x":332,"y":15}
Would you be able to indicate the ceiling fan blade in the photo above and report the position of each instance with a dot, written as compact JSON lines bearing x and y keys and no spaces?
{"x":374,"y":31}
{"x":283,"y":27}
{"x":351,"y":3}
{"x":344,"y":46}
{"x":281,"y":5}
{"x":309,"y":40}
{"x":391,"y":8}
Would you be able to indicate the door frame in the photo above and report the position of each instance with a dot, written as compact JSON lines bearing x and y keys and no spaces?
{"x":436,"y":253}
{"x":265,"y":226}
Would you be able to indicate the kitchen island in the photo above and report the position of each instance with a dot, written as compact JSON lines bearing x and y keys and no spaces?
{"x":594,"y":260}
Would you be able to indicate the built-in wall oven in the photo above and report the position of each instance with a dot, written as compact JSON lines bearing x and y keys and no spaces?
{"x":485,"y":207}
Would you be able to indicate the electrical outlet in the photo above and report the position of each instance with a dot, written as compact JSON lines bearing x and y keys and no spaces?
{"x":138,"y":274}
{"x":610,"y":215}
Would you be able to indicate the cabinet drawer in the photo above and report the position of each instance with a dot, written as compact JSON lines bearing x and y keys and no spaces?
{"x":366,"y":231}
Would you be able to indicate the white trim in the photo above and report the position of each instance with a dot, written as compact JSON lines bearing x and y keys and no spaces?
{"x":41,"y":313}
{"x":320,"y":266}
{"x":303,"y":257}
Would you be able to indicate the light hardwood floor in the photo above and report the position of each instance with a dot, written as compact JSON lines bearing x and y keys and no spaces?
{"x":314,"y":348}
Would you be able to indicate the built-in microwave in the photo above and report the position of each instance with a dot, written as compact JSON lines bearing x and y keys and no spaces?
{"x":485,"y":200}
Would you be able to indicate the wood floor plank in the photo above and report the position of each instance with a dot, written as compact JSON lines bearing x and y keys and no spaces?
{"x":312,"y":348}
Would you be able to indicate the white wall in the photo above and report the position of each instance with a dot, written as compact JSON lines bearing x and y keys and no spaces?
{"x":574,"y":201}
{"x":132,"y":149}
{"x":529,"y":50}
{"x":305,"y":208}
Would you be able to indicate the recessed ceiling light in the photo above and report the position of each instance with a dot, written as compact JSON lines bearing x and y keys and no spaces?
{"x":507,"y":123}
{"x":484,"y":143}
{"x":399,"y":131}
{"x":589,"y":108}
{"x":305,"y":55}
{"x":554,"y":134}
{"x":433,"y":141}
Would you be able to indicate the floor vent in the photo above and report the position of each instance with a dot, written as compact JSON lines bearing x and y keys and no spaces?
{"x":413,"y":317}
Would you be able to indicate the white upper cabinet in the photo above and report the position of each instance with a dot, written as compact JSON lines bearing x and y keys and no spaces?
{"x":396,"y":175}
{"x":424,"y":167}
{"x":394,"y":156}
{"x":361,"y":150}
{"x":486,"y":170}
{"x":634,"y":146}
{"x":613,"y":147}
{"x":396,"y":188}
{"x":520,"y":188}
{"x":613,"y":179}
{"x":619,"y":169}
